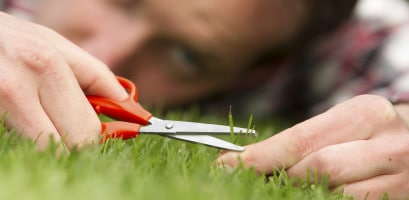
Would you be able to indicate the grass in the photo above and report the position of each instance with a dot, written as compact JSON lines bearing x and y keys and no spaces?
{"x":147,"y":167}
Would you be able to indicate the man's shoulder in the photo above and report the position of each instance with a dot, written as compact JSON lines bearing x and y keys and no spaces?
{"x":382,"y":12}
{"x":365,"y":55}
{"x":2,"y":5}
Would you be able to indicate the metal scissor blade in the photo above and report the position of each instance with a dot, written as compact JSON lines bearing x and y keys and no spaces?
{"x":209,"y":140}
{"x":169,"y":127}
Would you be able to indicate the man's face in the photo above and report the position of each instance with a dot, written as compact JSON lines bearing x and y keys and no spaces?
{"x":175,"y":50}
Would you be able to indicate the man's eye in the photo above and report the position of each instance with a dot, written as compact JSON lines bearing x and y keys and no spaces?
{"x":186,"y":59}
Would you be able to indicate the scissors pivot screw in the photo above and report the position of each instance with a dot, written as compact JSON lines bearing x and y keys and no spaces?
{"x":134,"y":119}
{"x":169,"y":126}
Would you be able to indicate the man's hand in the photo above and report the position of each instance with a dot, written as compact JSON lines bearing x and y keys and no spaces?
{"x":361,"y":144}
{"x":43,"y":78}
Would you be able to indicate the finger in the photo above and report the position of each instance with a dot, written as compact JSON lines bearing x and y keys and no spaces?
{"x":70,"y":111}
{"x":353,"y":161}
{"x":94,"y":77}
{"x":37,"y":127}
{"x":26,"y":117}
{"x":34,"y":58}
{"x":395,"y":185}
{"x":259,"y":155}
{"x":61,"y":96}
{"x":356,"y":119}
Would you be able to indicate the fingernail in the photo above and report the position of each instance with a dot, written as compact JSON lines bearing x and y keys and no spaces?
{"x":228,"y":160}
{"x":226,"y":168}
{"x":228,"y":156}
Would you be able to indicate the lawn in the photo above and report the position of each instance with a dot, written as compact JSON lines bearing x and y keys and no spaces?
{"x":147,"y":167}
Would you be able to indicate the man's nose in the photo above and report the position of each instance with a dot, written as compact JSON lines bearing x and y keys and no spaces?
{"x":116,"y":40}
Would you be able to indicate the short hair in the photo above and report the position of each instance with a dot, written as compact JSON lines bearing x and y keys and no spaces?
{"x":322,"y":17}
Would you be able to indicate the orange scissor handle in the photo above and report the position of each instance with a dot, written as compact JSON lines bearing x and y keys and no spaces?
{"x":130,"y":113}
{"x":119,"y":129}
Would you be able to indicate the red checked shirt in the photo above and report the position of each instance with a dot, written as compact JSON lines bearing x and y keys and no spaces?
{"x":368,"y":55}
{"x":19,"y":8}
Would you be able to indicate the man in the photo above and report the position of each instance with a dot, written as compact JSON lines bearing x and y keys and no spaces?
{"x":182,"y":51}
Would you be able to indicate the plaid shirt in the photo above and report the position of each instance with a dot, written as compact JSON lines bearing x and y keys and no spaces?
{"x":365,"y":56}
{"x":369,"y":55}
{"x":19,"y":8}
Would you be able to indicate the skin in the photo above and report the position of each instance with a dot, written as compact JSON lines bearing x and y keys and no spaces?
{"x":177,"y":54}
{"x":360,"y":144}
{"x":32,"y":82}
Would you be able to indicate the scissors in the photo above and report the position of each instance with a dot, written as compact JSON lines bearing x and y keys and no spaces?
{"x":133,"y":120}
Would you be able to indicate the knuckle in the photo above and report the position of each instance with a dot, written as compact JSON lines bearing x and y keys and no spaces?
{"x":324,"y":164}
{"x":301,"y":144}
{"x":8,"y":88}
{"x":39,"y":56}
{"x":251,"y":158}
{"x":377,"y":108}
{"x":248,"y":159}
{"x":370,"y":113}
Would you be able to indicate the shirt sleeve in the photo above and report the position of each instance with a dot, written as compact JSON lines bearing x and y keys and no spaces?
{"x":371,"y":56}
{"x":395,"y":57}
